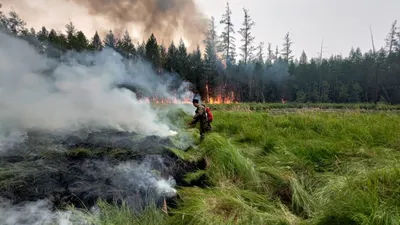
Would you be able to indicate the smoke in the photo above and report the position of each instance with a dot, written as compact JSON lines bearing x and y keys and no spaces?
{"x":143,"y":177}
{"x":278,"y":72}
{"x":164,"y":18}
{"x":275,"y":73}
{"x":80,"y":91}
{"x":138,"y":184}
{"x":167,"y":19}
{"x":8,"y":139}
{"x":35,"y":213}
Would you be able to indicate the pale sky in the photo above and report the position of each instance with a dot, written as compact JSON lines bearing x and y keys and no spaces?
{"x":340,"y":23}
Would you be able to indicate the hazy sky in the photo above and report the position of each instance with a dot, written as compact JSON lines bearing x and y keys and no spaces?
{"x":340,"y":23}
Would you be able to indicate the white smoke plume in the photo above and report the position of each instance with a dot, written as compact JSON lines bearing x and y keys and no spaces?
{"x":38,"y":92}
{"x":36,"y":213}
{"x":144,"y":177}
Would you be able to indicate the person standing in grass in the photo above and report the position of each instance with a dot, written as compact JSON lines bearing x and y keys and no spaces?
{"x":200,"y":116}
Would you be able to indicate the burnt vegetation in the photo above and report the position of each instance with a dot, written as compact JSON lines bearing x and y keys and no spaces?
{"x":80,"y":168}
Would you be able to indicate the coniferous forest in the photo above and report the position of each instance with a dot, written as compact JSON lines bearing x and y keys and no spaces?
{"x":260,"y":73}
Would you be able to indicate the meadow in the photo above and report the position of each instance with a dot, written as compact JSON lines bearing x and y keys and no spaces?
{"x":304,"y":166}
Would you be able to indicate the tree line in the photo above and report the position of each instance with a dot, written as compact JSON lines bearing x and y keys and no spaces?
{"x":255,"y":75}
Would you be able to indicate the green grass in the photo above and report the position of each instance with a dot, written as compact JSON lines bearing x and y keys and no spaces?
{"x":297,"y":106}
{"x":110,"y":214}
{"x":305,"y":167}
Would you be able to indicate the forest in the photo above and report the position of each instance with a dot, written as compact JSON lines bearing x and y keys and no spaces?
{"x":260,"y":73}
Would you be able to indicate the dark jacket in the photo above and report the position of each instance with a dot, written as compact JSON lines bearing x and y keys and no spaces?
{"x":200,"y":115}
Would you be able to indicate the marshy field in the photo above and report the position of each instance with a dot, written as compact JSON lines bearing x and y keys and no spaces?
{"x":303,"y":166}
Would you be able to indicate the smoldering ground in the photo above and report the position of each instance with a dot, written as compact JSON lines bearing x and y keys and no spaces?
{"x":70,"y":135}
{"x":80,"y":168}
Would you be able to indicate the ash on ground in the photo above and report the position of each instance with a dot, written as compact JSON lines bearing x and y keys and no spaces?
{"x":82,"y":168}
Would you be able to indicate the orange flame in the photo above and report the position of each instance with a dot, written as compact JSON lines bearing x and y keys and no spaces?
{"x":229,"y":99}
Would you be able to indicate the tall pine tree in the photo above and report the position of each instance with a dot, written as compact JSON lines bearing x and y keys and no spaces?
{"x":96,"y":43}
{"x":287,"y":50}
{"x":247,"y":48}
{"x":227,"y":45}
{"x":153,"y":51}
{"x":110,"y":40}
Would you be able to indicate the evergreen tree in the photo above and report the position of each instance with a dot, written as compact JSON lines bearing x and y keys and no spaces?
{"x":14,"y":23}
{"x":141,"y":51}
{"x":303,"y":58}
{"x":247,"y":48}
{"x":82,"y":43}
{"x":153,"y":51}
{"x":172,"y":60}
{"x":287,"y":51}
{"x":96,"y":43}
{"x":210,"y":60}
{"x":227,"y":45}
{"x":391,"y":41}
{"x":182,"y":57}
{"x":196,"y":71}
{"x":71,"y":38}
{"x":260,"y":53}
{"x":125,"y":46}
{"x":270,"y":56}
{"x":110,"y":40}
{"x":163,"y":56}
{"x":43,"y":34}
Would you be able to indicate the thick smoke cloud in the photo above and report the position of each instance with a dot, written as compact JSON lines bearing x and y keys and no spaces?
{"x":42,"y":93}
{"x":168,"y":20}
{"x":164,"y":18}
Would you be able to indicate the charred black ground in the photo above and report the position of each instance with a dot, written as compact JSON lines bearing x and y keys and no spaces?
{"x":80,"y":168}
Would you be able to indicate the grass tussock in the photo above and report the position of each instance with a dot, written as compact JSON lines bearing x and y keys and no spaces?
{"x":111,"y":214}
{"x":228,"y":204}
{"x":225,"y":162}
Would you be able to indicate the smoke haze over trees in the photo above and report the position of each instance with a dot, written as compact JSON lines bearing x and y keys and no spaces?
{"x":256,"y":75}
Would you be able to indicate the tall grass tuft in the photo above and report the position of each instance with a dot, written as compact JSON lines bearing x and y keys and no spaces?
{"x":225,"y":162}
{"x":111,"y":214}
{"x":229,"y":205}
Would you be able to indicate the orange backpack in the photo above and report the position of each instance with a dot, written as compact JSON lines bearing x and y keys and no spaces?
{"x":209,"y":114}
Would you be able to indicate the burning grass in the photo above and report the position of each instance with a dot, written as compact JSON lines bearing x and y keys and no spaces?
{"x":310,"y":167}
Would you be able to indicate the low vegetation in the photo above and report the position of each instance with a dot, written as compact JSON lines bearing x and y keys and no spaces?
{"x":310,"y":167}
{"x":293,"y":106}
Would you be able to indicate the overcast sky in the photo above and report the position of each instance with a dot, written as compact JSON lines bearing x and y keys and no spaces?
{"x":340,"y":23}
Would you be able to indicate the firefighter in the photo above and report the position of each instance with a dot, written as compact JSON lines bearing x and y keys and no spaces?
{"x":200,"y":116}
